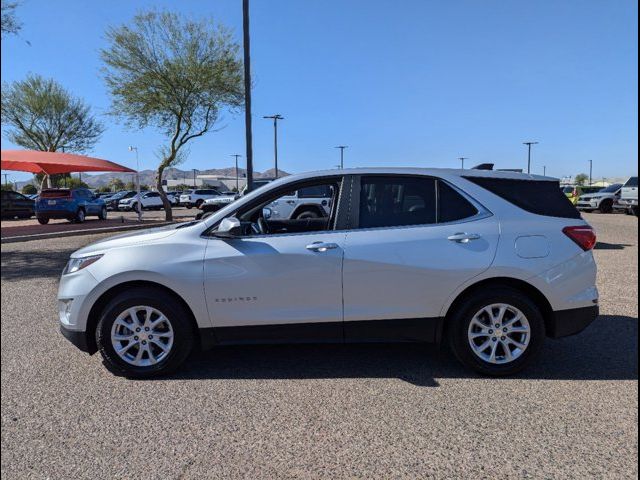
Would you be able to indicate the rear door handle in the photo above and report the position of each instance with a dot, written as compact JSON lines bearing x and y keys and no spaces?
{"x":463,"y":237}
{"x":321,"y":246}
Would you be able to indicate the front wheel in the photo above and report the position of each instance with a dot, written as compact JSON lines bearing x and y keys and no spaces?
{"x":144,"y":333}
{"x":103,"y":213}
{"x":43,"y":220}
{"x":606,"y":206}
{"x":497,"y":333}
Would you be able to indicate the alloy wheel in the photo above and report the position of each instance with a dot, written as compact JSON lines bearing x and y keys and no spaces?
{"x":499,"y":333}
{"x":142,"y":336}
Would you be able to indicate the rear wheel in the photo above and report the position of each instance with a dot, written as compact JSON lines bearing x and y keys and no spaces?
{"x":80,"y":216}
{"x":103,"y":213}
{"x":497,"y":333}
{"x":43,"y":220}
{"x":144,"y":333}
{"x":199,"y":202}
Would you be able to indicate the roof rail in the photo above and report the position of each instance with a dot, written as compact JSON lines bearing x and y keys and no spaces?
{"x":483,"y":166}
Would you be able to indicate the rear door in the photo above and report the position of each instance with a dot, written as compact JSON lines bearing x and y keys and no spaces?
{"x":416,"y":240}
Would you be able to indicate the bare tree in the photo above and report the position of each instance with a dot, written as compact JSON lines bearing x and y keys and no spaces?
{"x":10,"y":24}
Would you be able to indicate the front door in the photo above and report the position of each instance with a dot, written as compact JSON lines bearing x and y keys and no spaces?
{"x":281,"y":281}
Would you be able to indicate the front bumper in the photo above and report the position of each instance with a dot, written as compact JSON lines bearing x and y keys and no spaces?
{"x":79,"y":339}
{"x":571,"y":322}
{"x":587,"y":205}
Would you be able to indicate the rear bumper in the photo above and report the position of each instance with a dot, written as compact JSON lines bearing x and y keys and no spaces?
{"x":571,"y":322}
{"x":55,"y":213}
{"x":78,"y":338}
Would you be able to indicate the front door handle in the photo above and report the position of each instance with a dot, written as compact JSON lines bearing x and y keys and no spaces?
{"x":321,"y":246}
{"x":463,"y":237}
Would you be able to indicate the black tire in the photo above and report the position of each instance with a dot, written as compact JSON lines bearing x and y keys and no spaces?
{"x":634,"y":210}
{"x":80,"y":216}
{"x":189,"y":206}
{"x":199,"y":202}
{"x":307,"y":214}
{"x":606,"y":206}
{"x":463,"y":315}
{"x":184,"y":335}
{"x":103,"y":213}
{"x":43,"y":220}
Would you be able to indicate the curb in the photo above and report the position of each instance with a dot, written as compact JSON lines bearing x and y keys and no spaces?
{"x":74,"y":233}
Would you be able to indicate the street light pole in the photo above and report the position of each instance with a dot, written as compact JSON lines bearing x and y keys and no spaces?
{"x":528,"y":144}
{"x":544,"y":171}
{"x":246,"y":45}
{"x":237,"y":174}
{"x":462,"y":159}
{"x":342,"y":147}
{"x":275,"y":119}
{"x":194,"y":177}
{"x":590,"y":172}
{"x":139,"y":202}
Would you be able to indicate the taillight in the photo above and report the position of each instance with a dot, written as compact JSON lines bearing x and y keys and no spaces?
{"x":583,"y":235}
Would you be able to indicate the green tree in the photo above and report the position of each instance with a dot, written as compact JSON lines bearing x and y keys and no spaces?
{"x":174,"y":74}
{"x":29,"y":189}
{"x":7,"y":187}
{"x":104,"y":189}
{"x":41,"y":115}
{"x":581,"y":179}
{"x":116,"y":184}
{"x":10,"y":24}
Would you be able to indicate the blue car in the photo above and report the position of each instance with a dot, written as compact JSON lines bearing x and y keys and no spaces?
{"x":73,"y":204}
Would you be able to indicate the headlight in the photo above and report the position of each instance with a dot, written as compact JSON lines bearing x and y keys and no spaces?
{"x":75,"y":264}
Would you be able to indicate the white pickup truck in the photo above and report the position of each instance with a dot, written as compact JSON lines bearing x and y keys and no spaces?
{"x":310,"y":202}
{"x":629,"y":197}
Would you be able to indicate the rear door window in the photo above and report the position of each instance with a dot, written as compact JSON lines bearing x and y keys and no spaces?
{"x":632,"y":182}
{"x":452,"y":206}
{"x":388,"y":201}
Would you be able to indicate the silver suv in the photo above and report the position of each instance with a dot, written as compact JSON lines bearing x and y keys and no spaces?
{"x":603,"y":201}
{"x":491,"y":262}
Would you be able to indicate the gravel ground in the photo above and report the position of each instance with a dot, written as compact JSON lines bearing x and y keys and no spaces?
{"x":319,"y":411}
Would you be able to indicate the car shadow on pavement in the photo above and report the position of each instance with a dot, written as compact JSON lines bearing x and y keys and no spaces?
{"x":611,"y":246}
{"x":25,"y":265}
{"x":607,"y":350}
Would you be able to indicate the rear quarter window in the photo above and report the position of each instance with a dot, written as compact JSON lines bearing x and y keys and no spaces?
{"x":538,"y":197}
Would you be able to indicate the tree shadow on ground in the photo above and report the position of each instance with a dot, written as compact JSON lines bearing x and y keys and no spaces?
{"x":607,"y":350}
{"x":25,"y":265}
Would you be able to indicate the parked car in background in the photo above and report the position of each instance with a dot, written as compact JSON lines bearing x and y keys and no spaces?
{"x":174,"y":197}
{"x":148,"y":201}
{"x":470,"y":257}
{"x":15,"y":204}
{"x":306,"y":203}
{"x":573,"y":192}
{"x":629,"y":197}
{"x":73,"y":204}
{"x":113,"y":201}
{"x":603,"y":201}
{"x":194,"y":198}
{"x":216,"y":203}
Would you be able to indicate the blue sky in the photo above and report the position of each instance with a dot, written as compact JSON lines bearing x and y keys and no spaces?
{"x":405,"y":83}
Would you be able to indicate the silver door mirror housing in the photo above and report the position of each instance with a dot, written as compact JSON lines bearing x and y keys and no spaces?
{"x":266,"y":213}
{"x":229,"y":227}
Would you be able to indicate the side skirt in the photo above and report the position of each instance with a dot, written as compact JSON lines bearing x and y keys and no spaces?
{"x":426,"y":330}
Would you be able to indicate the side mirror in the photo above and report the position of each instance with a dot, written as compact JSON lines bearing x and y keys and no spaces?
{"x":266,"y":213}
{"x":230,"y":227}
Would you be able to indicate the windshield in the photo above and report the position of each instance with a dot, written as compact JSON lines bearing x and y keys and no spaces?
{"x":611,"y":188}
{"x":568,"y":189}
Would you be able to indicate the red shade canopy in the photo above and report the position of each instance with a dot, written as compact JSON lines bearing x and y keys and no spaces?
{"x":56,"y":162}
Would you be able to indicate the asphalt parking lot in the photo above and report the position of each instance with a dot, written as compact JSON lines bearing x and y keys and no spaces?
{"x":359,"y":411}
